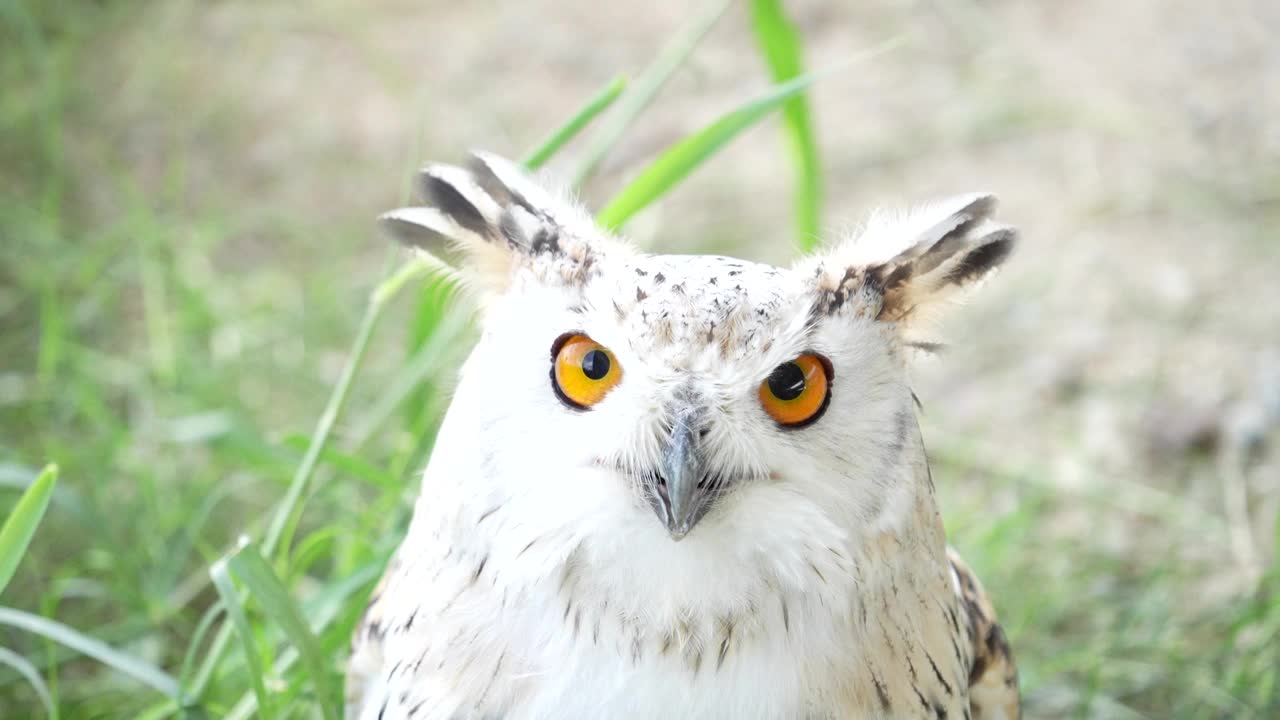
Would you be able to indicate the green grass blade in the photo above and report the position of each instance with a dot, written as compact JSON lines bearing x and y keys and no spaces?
{"x":166,"y":709}
{"x":345,"y":463}
{"x":32,"y":676}
{"x":682,"y":158}
{"x":21,"y":524}
{"x":211,"y":616}
{"x":446,"y":346}
{"x":685,"y":156}
{"x":249,"y":568}
{"x":646,"y":87}
{"x":287,"y":514}
{"x":781,"y":46}
{"x":139,"y":670}
{"x":232,"y":601}
{"x":322,"y":608}
{"x":279,"y":533}
{"x":411,"y":271}
{"x":291,"y":506}
{"x":569,"y":130}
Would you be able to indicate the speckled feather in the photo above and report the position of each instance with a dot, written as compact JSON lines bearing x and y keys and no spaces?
{"x":535,"y":581}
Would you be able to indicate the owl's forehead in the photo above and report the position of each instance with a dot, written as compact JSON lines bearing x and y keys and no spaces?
{"x":680,"y":305}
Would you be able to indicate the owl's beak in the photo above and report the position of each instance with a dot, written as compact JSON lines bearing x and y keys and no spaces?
{"x":681,"y":496}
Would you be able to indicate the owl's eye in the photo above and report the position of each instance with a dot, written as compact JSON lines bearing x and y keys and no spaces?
{"x":582,"y":370}
{"x":797,"y":392}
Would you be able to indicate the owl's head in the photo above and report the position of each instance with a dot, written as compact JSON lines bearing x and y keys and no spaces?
{"x":652,"y":398}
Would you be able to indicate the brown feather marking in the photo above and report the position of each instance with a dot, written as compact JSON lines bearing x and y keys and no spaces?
{"x":367,"y":640}
{"x":946,"y":686}
{"x":818,"y":572}
{"x":479,"y":569}
{"x":727,"y":625}
{"x":493,"y":678}
{"x":882,"y":693}
{"x":693,"y":658}
{"x":526,"y":547}
{"x":993,"y":674}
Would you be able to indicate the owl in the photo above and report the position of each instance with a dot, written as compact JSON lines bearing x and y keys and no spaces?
{"x":680,"y":485}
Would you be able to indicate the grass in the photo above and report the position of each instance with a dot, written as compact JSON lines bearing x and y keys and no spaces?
{"x":669,"y":168}
{"x":237,"y":429}
{"x":782,"y":48}
{"x":24,"y":518}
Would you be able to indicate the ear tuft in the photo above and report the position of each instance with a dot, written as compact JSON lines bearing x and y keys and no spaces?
{"x":508,"y":183}
{"x":492,"y":217}
{"x":955,"y":253}
{"x":428,"y":230}
{"x":982,"y":260}
{"x":901,"y":266}
{"x":933,"y":228}
{"x":456,"y":193}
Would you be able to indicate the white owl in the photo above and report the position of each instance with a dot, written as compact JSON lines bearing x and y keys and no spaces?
{"x":681,"y":486}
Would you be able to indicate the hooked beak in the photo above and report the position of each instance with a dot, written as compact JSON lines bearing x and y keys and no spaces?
{"x":681,"y":495}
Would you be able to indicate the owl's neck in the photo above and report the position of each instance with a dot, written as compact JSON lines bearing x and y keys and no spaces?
{"x":548,"y":619}
{"x":770,"y":558}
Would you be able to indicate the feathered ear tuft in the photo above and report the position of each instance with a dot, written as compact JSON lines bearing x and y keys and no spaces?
{"x":490,"y":218}
{"x":901,"y":267}
{"x":955,"y":253}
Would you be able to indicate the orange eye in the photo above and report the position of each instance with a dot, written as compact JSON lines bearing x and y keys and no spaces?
{"x":796,"y":392}
{"x":582,"y":371}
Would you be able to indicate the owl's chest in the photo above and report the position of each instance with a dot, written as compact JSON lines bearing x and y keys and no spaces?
{"x":549,"y":659}
{"x":548,"y":650}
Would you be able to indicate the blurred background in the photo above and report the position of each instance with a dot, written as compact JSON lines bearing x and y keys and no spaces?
{"x":187,"y":249}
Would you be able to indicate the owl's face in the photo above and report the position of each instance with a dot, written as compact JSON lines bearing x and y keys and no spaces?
{"x":675,"y":391}
{"x":669,"y":414}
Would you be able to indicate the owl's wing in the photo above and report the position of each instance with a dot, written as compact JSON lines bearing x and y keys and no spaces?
{"x":993,"y":676}
{"x":364,"y":669}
